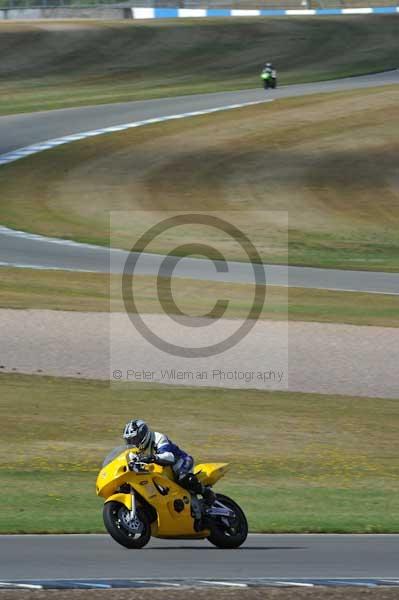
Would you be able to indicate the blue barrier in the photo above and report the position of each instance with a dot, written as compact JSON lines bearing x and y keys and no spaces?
{"x":172,"y":13}
{"x":166,"y":13}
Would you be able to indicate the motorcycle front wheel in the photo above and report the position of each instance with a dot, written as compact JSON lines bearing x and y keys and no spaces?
{"x":117,"y":521}
{"x":232,"y":532}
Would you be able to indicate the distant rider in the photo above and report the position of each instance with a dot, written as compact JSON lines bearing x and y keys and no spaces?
{"x":269,"y":68}
{"x":155,"y":447}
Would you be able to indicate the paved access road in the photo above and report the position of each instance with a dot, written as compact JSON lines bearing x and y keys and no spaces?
{"x":32,"y":251}
{"x":90,"y":556}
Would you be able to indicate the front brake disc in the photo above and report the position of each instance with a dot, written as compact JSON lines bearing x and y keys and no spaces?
{"x":133,"y":525}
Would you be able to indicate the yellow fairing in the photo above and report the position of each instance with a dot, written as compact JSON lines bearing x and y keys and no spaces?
{"x":156,"y":487}
{"x":170,"y":523}
{"x":125,"y":499}
{"x":112,"y":476}
{"x":210,"y":473}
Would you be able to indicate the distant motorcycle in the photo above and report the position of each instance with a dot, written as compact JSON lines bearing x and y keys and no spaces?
{"x":143,"y":500}
{"x":269,"y":78}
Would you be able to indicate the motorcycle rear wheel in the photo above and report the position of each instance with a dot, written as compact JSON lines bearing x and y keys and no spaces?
{"x":224,"y":537}
{"x":115,"y":522}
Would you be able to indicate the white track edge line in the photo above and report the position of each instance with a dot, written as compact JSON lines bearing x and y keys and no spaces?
{"x":27,"y":586}
{"x":223,"y":583}
{"x":21,"y":153}
{"x":294,"y":583}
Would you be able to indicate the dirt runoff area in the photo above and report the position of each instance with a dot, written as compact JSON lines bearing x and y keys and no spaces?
{"x":275,"y":355}
{"x":259,"y":593}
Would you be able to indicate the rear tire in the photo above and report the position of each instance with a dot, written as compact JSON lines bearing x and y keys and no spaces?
{"x":115,"y":520}
{"x":223,"y":537}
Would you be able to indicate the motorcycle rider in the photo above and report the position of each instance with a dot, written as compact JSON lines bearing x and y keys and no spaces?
{"x":269,"y":68}
{"x":155,"y":447}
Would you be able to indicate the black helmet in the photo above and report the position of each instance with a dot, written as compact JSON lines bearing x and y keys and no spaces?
{"x":138,"y":434}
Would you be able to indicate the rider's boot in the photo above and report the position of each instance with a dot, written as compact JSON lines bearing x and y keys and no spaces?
{"x":196,"y":513}
{"x":208,"y":495}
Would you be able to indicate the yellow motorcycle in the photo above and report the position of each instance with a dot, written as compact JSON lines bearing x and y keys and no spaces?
{"x":144,"y":500}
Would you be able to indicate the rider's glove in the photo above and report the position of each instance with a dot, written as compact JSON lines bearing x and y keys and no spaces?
{"x":147,"y":459}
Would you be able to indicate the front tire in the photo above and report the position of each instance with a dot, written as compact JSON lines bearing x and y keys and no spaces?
{"x":117,"y":523}
{"x":223,"y":536}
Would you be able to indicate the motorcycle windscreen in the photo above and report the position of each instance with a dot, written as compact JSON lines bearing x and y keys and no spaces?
{"x":113,"y":454}
{"x":116,"y":452}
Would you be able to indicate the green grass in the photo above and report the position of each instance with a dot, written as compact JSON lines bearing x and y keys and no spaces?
{"x":319,"y":510}
{"x":327,"y":161}
{"x":58,"y":502}
{"x":300,"y":462}
{"x":65,"y":502}
{"x":63,"y":290}
{"x":49,"y":65}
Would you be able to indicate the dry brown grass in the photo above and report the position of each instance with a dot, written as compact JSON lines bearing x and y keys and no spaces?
{"x":329,"y":160}
{"x":48,"y":65}
{"x":64,"y":290}
{"x":283,"y":438}
{"x":291,"y":454}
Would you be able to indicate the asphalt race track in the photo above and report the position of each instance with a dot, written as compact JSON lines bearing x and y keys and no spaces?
{"x":286,"y":556}
{"x":17,"y":249}
{"x":17,"y":131}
